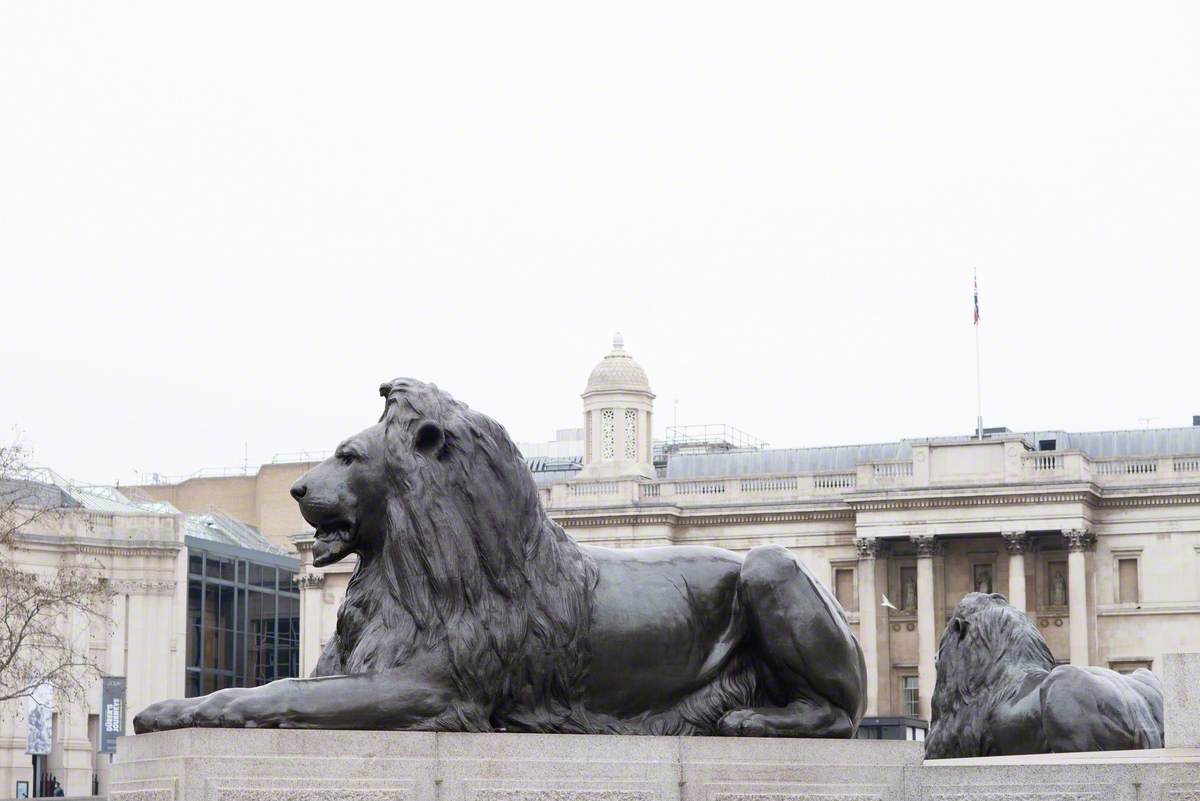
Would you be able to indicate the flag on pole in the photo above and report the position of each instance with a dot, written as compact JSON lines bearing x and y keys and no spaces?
{"x":976,"y":301}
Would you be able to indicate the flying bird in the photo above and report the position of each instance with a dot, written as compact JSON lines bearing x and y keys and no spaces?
{"x":888,"y":604}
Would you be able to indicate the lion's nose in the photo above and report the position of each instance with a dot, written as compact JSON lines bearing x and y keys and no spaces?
{"x":298,"y":490}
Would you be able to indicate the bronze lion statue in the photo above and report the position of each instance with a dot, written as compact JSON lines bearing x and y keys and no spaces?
{"x":471,"y":610}
{"x":999,"y":692}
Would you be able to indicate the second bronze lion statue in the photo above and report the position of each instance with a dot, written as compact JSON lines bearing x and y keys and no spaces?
{"x":999,"y":692}
{"x":471,"y":610}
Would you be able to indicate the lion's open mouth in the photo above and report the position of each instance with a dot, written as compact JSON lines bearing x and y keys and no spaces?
{"x":334,"y":540}
{"x":336,"y":531}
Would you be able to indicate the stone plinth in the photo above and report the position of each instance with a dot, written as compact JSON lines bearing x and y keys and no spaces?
{"x":1181,"y":689}
{"x":294,"y":765}
{"x":1164,"y":774}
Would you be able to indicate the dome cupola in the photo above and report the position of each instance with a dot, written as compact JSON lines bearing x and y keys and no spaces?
{"x":618,"y":409}
{"x":617,"y":371}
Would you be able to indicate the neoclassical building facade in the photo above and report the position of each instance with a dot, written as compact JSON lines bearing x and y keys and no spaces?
{"x":192,"y":603}
{"x":1095,"y":535}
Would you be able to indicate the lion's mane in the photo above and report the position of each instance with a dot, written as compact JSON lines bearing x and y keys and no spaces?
{"x":987,"y":652}
{"x":486,"y":575}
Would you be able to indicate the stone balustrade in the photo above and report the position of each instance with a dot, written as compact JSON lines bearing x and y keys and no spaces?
{"x":1020,"y":466}
{"x":702,"y":491}
{"x":1151,"y":470}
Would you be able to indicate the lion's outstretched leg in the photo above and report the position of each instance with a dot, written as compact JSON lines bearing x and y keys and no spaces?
{"x":813,"y":667}
{"x":384,"y":700}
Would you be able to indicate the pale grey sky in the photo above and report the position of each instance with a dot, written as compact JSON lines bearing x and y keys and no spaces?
{"x":226,"y":223}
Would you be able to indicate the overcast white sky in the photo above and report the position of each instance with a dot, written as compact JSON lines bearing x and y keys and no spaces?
{"x":227,"y":223}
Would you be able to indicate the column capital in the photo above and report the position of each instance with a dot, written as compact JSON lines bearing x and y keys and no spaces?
{"x":309,"y":580}
{"x":927,"y":546}
{"x":1017,"y":542}
{"x":870,"y":547}
{"x":1079,"y":539}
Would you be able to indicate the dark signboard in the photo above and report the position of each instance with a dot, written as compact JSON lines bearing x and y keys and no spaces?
{"x":112,"y":713}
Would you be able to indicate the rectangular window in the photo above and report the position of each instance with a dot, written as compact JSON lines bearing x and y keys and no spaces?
{"x":910,"y":696}
{"x":239,"y":635}
{"x":1127,"y":581}
{"x":193,"y":623}
{"x":192,"y":686}
{"x":843,"y":587}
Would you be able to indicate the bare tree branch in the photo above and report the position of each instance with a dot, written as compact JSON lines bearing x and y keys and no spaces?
{"x":49,"y":611}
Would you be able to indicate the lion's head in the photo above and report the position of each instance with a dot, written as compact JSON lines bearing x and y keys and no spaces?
{"x":423,"y":447}
{"x":987,"y":645}
{"x":452,"y":540}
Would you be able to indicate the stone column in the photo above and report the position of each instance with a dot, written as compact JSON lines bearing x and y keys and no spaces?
{"x":868,"y":616}
{"x":311,"y":591}
{"x":1016,"y":542}
{"x":927,"y":549}
{"x":1079,"y":541}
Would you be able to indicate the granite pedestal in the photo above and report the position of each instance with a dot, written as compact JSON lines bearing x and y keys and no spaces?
{"x":1181,"y":687}
{"x":298,"y":765}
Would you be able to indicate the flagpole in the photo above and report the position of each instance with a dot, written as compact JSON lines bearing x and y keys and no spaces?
{"x":978,"y":379}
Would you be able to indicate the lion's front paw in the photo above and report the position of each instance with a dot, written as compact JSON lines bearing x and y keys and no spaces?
{"x":165,"y":715}
{"x":743,"y":723}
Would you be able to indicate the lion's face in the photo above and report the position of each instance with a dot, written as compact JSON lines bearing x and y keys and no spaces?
{"x":345,"y":498}
{"x":342,"y":497}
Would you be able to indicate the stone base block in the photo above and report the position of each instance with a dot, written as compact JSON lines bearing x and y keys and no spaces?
{"x":294,"y":765}
{"x":283,"y":765}
{"x":1164,"y":774}
{"x":1181,"y":688}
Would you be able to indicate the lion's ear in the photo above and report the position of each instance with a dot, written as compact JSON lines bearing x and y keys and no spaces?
{"x":429,"y":440}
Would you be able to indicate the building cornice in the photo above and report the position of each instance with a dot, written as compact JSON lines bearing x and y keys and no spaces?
{"x":991,"y":495}
{"x":309,"y":580}
{"x":100,"y":546}
{"x":633,"y":517}
{"x":1149,"y":608}
{"x":304,"y":541}
{"x":142,"y":587}
{"x":1129,"y":501}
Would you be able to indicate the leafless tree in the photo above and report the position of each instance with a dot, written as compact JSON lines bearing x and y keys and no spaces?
{"x":46,"y":612}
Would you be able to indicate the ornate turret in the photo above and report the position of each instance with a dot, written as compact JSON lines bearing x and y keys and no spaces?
{"x":618,"y":409}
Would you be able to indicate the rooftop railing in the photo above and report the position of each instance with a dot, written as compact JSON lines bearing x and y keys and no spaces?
{"x":1029,"y":467}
